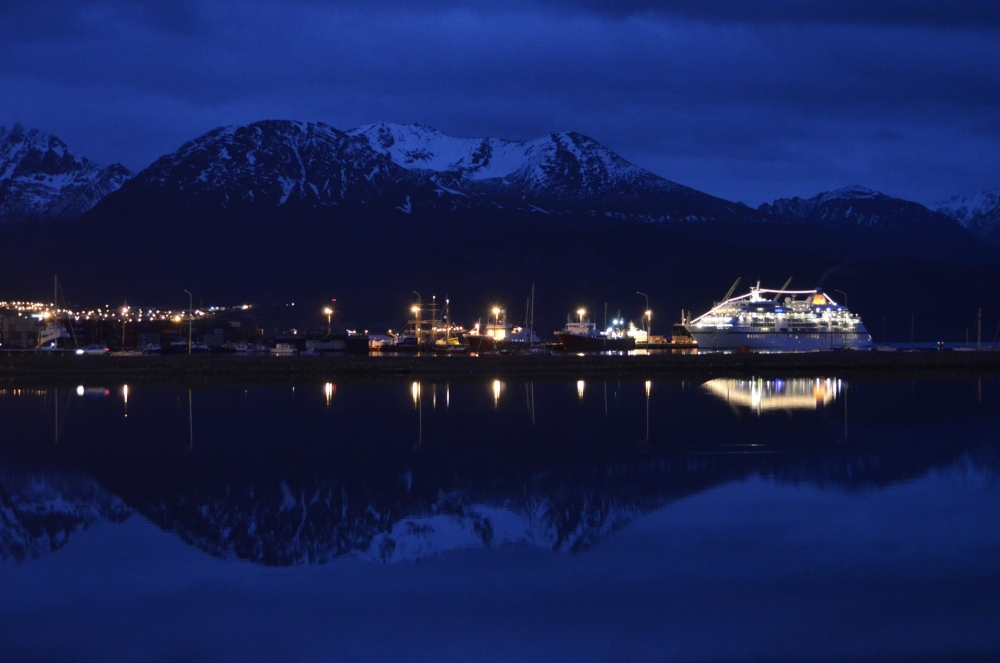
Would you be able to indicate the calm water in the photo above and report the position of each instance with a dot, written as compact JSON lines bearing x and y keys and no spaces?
{"x":502,"y":521}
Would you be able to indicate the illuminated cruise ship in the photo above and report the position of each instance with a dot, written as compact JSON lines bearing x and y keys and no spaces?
{"x":783,"y":320}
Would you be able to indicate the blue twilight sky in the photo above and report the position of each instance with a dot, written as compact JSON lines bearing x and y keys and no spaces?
{"x":745,"y":100}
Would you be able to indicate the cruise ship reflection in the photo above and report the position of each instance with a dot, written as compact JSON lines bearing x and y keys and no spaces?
{"x":762,"y":395}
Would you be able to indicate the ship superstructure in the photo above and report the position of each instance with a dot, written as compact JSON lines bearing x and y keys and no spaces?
{"x":783,"y":320}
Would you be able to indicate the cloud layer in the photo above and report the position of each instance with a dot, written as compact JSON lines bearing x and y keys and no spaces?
{"x":748,"y":101}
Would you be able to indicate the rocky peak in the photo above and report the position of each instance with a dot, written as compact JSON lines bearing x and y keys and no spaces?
{"x":41,"y":178}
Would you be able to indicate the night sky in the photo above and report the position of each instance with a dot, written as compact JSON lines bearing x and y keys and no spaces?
{"x":745,"y":100}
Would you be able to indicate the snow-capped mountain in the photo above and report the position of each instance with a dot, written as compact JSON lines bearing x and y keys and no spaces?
{"x":853,"y":206}
{"x":979,"y":213}
{"x":282,"y":163}
{"x":409,"y":168}
{"x":555,"y":173}
{"x":39,"y":511}
{"x":41,"y":177}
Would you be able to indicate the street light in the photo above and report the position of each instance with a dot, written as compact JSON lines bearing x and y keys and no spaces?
{"x":581,"y":312}
{"x":124,"y":320}
{"x":329,"y":314}
{"x":190,"y":317}
{"x":496,"y":315}
{"x":648,"y":312}
{"x":845,"y":297}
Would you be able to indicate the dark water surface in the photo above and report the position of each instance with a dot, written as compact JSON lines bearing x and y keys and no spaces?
{"x":502,"y":521}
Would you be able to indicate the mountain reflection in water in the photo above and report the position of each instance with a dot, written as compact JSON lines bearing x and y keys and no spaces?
{"x":403,"y":471}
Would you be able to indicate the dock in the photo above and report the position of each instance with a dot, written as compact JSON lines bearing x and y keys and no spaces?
{"x":67,"y":368}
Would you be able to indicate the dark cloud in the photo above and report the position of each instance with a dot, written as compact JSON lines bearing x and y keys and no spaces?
{"x":720,"y":97}
{"x":928,"y":13}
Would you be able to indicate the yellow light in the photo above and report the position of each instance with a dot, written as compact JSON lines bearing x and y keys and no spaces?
{"x":415,"y":309}
{"x":497,"y":387}
{"x":579,"y":389}
{"x":496,"y":311}
{"x":328,"y":311}
{"x":649,"y":314}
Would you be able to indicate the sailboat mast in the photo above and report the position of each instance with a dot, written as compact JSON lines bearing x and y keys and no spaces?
{"x":531,"y":329}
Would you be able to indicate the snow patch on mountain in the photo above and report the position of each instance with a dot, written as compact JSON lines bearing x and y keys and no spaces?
{"x":978,"y":213}
{"x":40,"y":177}
{"x":567,"y":164}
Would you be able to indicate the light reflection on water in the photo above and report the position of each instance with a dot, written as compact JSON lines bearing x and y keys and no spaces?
{"x":601,"y":472}
{"x":762,"y":395}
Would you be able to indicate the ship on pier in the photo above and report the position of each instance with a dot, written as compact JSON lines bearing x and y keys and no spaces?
{"x":779,"y":320}
{"x":583,"y":336}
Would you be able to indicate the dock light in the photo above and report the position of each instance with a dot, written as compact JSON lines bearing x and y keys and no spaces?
{"x":581,"y":312}
{"x":329,"y":314}
{"x":649,"y":325}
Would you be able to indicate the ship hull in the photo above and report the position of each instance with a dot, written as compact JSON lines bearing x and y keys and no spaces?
{"x":479,"y":343}
{"x":579,"y":343}
{"x":725,"y":339}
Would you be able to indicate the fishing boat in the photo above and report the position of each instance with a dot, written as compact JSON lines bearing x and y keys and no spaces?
{"x":501,"y":335}
{"x":583,"y":336}
{"x":779,"y":320}
{"x":488,"y":338}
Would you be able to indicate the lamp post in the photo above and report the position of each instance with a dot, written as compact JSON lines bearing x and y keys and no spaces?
{"x":648,"y":312}
{"x":845,"y":296}
{"x":496,"y":315}
{"x":190,"y":317}
{"x":416,"y":313}
{"x":329,"y":315}
{"x":581,"y":312}
{"x":124,"y":320}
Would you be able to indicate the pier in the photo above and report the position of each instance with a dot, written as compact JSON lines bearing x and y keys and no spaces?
{"x":261,"y":368}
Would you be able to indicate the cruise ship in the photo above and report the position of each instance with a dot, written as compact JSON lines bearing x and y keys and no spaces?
{"x":780,"y":320}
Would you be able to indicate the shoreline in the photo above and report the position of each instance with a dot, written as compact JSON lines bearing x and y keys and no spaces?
{"x":264,"y":369}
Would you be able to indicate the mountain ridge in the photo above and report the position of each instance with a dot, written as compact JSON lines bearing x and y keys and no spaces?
{"x":978,"y":213}
{"x":41,"y":178}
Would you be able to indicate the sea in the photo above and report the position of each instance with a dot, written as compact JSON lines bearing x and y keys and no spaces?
{"x":487,"y":519}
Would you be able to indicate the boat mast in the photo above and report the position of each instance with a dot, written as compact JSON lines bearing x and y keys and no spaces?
{"x":531,"y":328}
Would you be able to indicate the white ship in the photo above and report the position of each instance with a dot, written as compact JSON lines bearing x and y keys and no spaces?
{"x":781,"y":320}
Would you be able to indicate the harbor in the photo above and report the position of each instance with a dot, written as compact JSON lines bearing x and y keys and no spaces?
{"x":694,"y":365}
